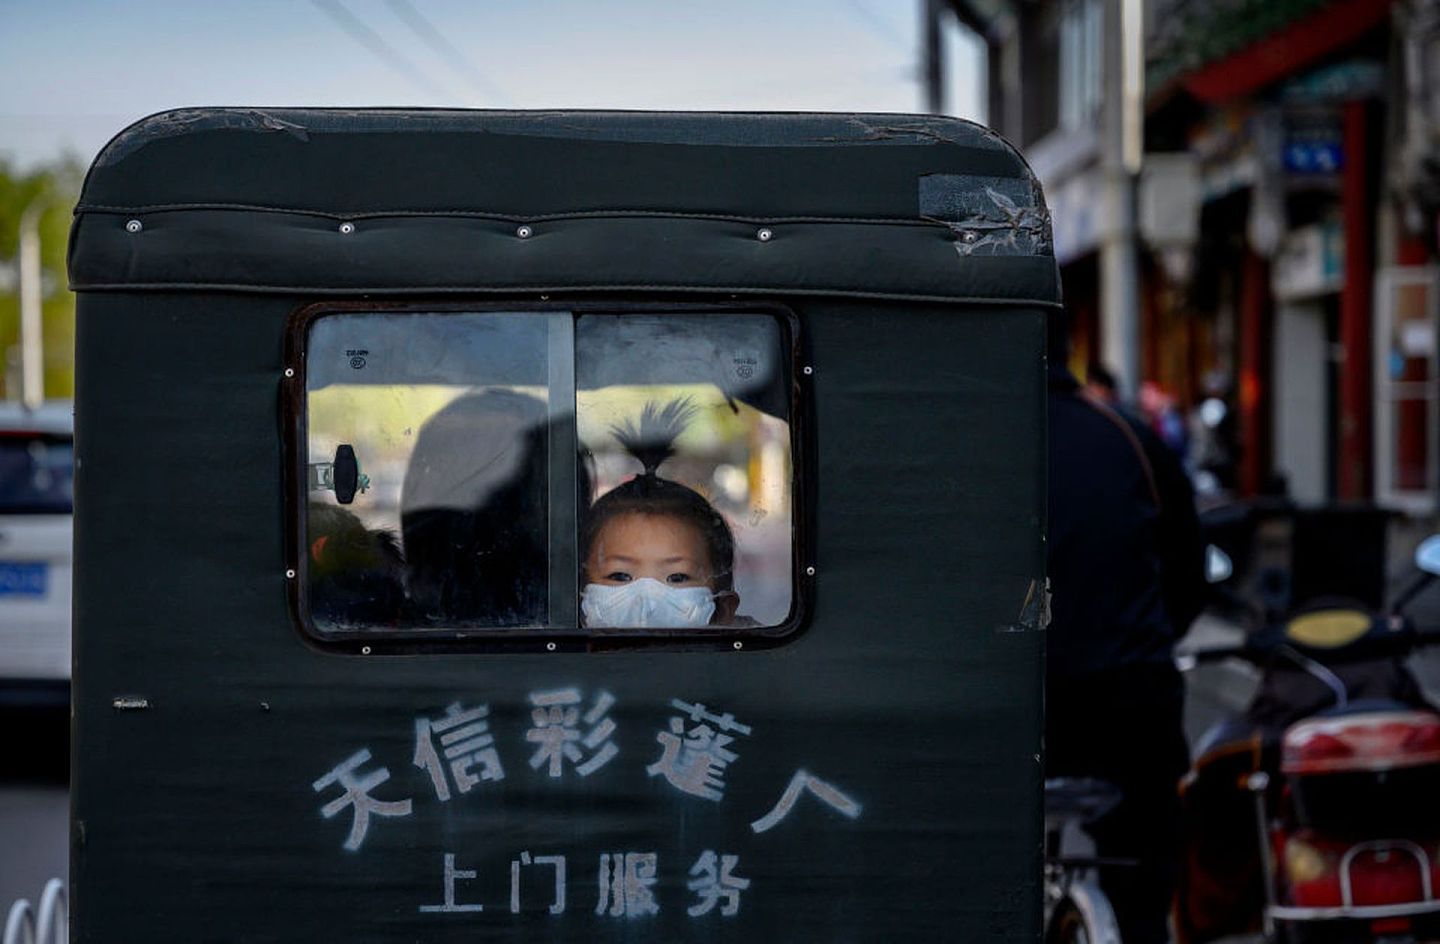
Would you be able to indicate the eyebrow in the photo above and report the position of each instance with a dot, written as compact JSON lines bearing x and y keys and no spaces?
{"x":625,"y":559}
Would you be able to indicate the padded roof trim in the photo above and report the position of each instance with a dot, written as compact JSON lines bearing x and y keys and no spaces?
{"x":253,"y":199}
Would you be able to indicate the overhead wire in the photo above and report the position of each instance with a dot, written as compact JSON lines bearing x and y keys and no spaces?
{"x":886,"y":32}
{"x":427,"y":33}
{"x":380,"y":48}
{"x":877,"y":26}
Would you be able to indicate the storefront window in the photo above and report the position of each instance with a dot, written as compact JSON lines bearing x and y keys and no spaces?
{"x":1407,"y":386}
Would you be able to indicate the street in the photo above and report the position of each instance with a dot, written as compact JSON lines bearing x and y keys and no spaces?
{"x":34,"y":803}
{"x":34,"y":822}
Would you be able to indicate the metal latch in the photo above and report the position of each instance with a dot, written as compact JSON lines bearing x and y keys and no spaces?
{"x":343,"y":476}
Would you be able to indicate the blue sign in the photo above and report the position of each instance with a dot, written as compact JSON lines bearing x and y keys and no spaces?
{"x":23,"y":579}
{"x":1314,"y":157}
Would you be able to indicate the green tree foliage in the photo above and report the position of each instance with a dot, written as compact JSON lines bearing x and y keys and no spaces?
{"x":57,"y":187}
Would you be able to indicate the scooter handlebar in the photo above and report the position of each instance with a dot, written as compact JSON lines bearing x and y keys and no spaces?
{"x":1185,"y":661}
{"x":1401,"y":638}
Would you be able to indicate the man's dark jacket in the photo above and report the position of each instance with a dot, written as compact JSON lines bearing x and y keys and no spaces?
{"x":1125,"y":556}
{"x":1126,"y":580}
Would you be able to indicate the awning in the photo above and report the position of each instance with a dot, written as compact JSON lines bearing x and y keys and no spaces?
{"x":1222,"y":56}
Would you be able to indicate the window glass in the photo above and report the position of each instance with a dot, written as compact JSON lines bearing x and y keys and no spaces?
{"x":36,"y":474}
{"x":462,"y":469}
{"x":721,"y":503}
{"x":1081,"y":45}
{"x":446,"y":416}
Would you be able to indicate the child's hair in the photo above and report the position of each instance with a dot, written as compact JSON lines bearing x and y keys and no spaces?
{"x":651,"y":442}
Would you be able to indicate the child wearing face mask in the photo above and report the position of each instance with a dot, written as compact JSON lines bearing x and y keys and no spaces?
{"x":656,"y":553}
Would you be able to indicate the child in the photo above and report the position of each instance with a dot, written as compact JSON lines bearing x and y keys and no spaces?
{"x":356,"y":573}
{"x":655,"y":553}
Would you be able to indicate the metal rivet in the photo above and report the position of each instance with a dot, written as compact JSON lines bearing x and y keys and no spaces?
{"x":347,"y":228}
{"x":134,"y":226}
{"x":364,"y":650}
{"x":765,"y":234}
{"x":809,"y":571}
{"x":289,"y":372}
{"x":808,"y":371}
{"x":739,"y":645}
{"x":524,"y":232}
{"x":290,"y":575}
{"x":549,"y":647}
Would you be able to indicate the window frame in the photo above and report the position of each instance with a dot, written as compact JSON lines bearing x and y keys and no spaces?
{"x":50,"y":439}
{"x":371,"y":642}
{"x":1388,"y":393}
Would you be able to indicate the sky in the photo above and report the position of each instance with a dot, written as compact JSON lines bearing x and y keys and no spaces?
{"x":75,"y":72}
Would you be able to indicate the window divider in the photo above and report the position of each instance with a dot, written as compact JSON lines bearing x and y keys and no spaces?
{"x":563,"y":454}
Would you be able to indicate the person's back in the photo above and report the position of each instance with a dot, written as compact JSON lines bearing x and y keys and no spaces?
{"x":1107,"y":608}
{"x":1126,"y":578}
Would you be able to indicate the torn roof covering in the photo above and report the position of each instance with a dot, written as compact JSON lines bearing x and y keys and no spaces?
{"x":535,"y":164}
{"x":384,"y":201}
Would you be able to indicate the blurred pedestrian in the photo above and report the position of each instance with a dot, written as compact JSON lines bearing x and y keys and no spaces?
{"x":1165,"y":419}
{"x":1100,"y":383}
{"x":1126,"y":576}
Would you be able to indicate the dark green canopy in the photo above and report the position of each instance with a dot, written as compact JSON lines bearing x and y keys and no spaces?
{"x":885,"y":205}
{"x":878,"y":283}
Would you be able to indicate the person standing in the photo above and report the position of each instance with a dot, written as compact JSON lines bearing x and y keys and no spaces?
{"x":1126,"y":567}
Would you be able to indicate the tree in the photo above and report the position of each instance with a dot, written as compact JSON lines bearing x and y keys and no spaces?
{"x":57,"y":186}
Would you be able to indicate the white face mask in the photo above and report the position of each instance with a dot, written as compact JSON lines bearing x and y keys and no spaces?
{"x":646,"y":602}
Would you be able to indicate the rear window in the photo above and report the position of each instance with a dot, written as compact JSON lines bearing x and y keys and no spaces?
{"x":514,"y":472}
{"x":36,"y":474}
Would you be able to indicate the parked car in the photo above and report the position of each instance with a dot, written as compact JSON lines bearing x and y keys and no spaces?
{"x":36,"y":505}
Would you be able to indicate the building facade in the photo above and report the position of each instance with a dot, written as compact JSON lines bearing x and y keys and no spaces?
{"x":1276,"y":243}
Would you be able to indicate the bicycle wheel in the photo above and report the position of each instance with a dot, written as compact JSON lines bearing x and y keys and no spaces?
{"x":1068,"y":926}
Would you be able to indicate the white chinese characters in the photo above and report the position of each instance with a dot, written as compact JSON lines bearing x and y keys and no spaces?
{"x":465,"y":740}
{"x":458,"y":751}
{"x":694,"y":759}
{"x":627,"y":885}
{"x":357,"y":787}
{"x":712,"y":878}
{"x":451,"y":875}
{"x":556,"y":732}
{"x":557,"y":904}
{"x":804,"y":781}
{"x":625,"y":882}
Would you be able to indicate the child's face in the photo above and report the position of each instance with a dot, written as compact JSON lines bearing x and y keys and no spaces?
{"x":664,"y":548}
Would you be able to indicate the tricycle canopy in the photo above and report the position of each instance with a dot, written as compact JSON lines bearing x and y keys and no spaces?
{"x":572,"y":526}
{"x":250,"y":200}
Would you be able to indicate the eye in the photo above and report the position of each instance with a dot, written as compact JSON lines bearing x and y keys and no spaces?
{"x":678,"y":578}
{"x":618,"y":576}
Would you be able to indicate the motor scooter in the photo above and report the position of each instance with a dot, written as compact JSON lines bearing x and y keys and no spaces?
{"x":1312,"y":816}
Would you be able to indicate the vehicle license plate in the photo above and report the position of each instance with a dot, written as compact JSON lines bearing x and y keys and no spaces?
{"x":23,"y":579}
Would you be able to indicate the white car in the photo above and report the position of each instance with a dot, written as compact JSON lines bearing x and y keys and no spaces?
{"x":36,"y":496}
